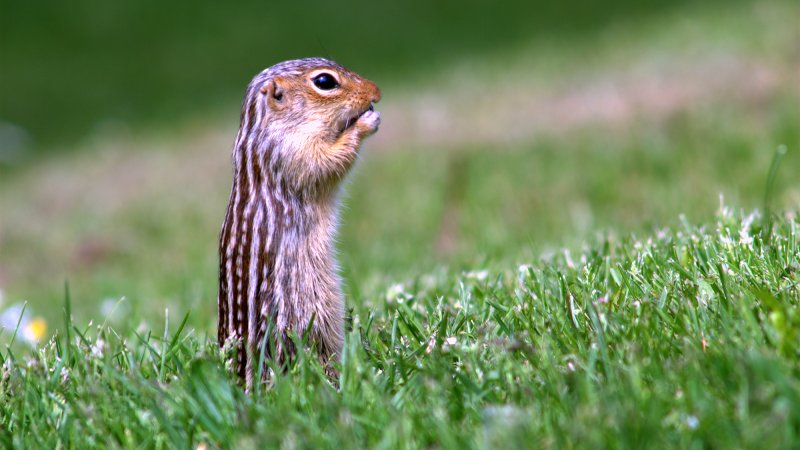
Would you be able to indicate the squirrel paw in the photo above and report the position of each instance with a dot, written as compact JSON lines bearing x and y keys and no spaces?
{"x":368,"y":122}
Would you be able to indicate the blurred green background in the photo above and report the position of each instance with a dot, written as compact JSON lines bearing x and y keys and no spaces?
{"x":69,"y":67}
{"x":511,"y":131}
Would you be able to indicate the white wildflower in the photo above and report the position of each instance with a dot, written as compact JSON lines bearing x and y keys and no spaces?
{"x":98,"y":347}
{"x":397,"y":293}
{"x":480,"y":275}
{"x":6,"y":370}
{"x":568,"y":259}
{"x":446,"y":344}
{"x":692,"y":422}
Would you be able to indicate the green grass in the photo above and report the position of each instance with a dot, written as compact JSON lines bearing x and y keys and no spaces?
{"x":683,"y":339}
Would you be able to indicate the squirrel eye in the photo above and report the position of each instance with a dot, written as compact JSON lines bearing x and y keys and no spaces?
{"x":325,"y":81}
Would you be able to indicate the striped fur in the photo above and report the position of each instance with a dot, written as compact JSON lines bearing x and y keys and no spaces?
{"x":277,"y":266}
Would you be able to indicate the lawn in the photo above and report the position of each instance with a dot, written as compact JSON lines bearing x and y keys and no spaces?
{"x":598,"y":248}
{"x":685,"y":338}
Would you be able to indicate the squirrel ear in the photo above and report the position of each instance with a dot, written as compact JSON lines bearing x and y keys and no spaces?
{"x":273,"y":91}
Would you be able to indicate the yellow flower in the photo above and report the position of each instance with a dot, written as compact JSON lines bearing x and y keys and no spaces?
{"x":35,"y":330}
{"x":17,"y":317}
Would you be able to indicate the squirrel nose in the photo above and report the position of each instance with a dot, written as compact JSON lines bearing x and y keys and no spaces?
{"x":375,"y":93}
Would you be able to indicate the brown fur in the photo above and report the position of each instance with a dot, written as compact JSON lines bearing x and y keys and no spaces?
{"x":278,"y":269}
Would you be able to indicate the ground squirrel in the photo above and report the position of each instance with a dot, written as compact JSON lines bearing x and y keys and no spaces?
{"x":302,"y":123}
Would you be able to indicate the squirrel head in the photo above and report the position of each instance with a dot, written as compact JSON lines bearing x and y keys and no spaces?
{"x":309,"y":111}
{"x":317,"y":97}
